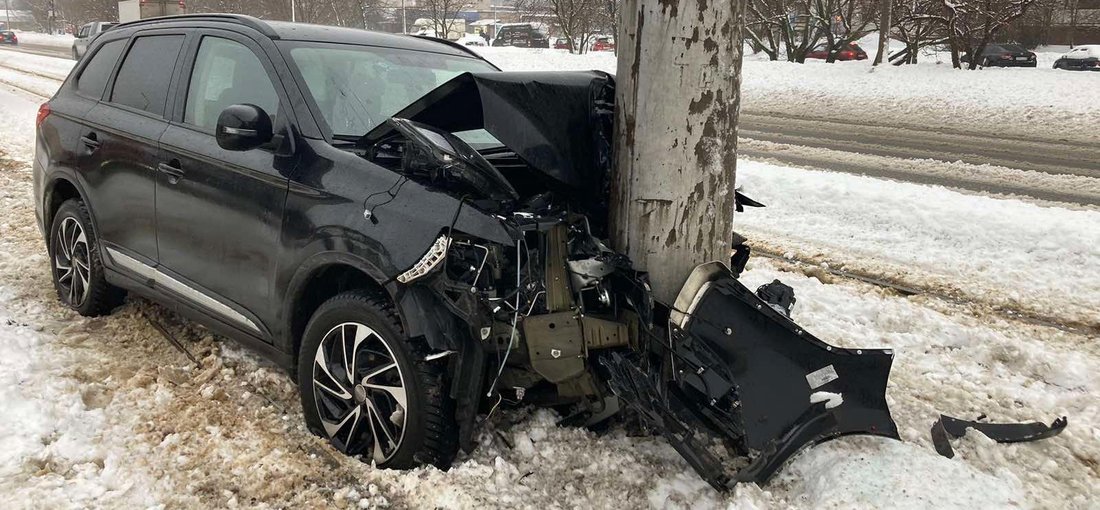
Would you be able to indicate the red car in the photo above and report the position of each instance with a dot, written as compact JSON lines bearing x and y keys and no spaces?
{"x":561,"y":43}
{"x":851,"y":52}
{"x":603,"y":44}
{"x":8,"y":37}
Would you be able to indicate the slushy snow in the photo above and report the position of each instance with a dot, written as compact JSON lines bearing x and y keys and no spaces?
{"x":105,"y":413}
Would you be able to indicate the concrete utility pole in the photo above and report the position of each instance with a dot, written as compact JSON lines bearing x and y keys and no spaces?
{"x":677,"y":98}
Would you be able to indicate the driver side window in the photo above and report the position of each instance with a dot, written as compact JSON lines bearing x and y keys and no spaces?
{"x":226,"y":73}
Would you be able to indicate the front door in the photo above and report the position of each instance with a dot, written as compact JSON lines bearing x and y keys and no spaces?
{"x":219,"y":212}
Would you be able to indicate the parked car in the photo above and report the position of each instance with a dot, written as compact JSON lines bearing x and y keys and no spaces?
{"x":1004,"y":55}
{"x":562,"y":43}
{"x":8,"y":37}
{"x":522,"y":35}
{"x":310,"y":192}
{"x":87,"y":33}
{"x":1081,"y":58}
{"x":472,"y":40}
{"x":850,"y":52}
{"x":603,"y":43}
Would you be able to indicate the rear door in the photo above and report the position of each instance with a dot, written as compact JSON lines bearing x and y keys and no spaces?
{"x":121,"y":137}
{"x":220,"y":212}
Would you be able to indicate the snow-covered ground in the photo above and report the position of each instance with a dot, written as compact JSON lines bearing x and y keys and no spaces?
{"x":104,"y":412}
{"x":1021,"y":102}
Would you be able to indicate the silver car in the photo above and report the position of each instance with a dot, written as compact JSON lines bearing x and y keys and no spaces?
{"x":85,"y":35}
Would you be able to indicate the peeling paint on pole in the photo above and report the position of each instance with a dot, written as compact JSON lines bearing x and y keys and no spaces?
{"x":678,"y":94}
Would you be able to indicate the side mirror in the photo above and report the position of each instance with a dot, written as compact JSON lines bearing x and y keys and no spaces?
{"x":243,"y":127}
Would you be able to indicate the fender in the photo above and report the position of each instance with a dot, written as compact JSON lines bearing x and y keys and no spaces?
{"x":417,"y":309}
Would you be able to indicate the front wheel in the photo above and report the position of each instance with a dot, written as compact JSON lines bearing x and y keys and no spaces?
{"x":366,"y":387}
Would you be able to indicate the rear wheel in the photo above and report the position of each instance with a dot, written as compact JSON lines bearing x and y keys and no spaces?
{"x":77,"y":269}
{"x":366,"y":387}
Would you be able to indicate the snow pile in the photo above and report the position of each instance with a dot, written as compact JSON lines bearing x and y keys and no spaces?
{"x":1007,"y":253}
{"x":1024,"y":102}
{"x":64,"y":41}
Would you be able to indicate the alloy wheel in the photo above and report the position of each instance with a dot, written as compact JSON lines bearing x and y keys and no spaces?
{"x":71,"y":262}
{"x":360,"y":391}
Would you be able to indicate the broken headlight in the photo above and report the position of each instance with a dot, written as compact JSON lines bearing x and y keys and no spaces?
{"x":429,"y":261}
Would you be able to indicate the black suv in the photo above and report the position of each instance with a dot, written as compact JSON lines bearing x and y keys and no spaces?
{"x":521,"y":35}
{"x":416,"y":236}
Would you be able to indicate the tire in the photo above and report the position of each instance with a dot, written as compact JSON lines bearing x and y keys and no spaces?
{"x":76,"y":266}
{"x":388,"y":367}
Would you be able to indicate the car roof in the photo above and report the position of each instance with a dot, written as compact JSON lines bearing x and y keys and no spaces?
{"x":285,"y":30}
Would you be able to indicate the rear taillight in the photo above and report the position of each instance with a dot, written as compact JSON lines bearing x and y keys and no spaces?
{"x":1006,"y":56}
{"x":43,"y":112}
{"x":846,"y":54}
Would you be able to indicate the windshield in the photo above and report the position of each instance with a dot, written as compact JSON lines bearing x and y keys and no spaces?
{"x":357,"y":88}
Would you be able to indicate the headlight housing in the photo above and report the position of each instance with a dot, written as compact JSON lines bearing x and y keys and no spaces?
{"x":429,"y":261}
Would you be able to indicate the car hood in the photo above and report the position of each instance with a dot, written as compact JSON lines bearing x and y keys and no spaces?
{"x":558,"y":123}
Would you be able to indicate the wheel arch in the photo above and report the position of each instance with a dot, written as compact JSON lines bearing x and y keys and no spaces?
{"x":326,"y":275}
{"x":320,"y":278}
{"x":59,"y":189}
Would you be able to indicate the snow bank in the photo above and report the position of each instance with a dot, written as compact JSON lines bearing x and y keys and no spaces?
{"x":1023,"y":102}
{"x":54,"y":41}
{"x":1005,"y":252}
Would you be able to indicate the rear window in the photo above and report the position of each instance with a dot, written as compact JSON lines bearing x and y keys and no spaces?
{"x":94,"y":76}
{"x":143,"y":79}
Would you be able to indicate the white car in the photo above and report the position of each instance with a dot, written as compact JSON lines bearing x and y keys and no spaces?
{"x":472,"y":40}
{"x":1081,"y":58}
{"x":85,"y":35}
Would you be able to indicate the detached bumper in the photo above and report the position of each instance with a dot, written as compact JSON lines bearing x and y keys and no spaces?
{"x":742,"y":368}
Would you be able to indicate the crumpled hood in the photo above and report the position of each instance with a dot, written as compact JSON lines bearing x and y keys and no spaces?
{"x":559,"y":123}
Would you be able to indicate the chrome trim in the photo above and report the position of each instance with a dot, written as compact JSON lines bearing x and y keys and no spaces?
{"x":195,"y":296}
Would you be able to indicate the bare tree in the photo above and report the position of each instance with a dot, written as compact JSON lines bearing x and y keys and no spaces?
{"x":577,"y":21}
{"x":443,"y":13}
{"x":795,"y":27}
{"x":677,"y":96}
{"x":972,"y":25}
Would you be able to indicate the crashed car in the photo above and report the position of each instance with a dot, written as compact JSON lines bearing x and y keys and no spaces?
{"x":419,"y":238}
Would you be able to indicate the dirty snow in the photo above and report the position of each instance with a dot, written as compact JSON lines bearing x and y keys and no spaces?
{"x":104,"y":412}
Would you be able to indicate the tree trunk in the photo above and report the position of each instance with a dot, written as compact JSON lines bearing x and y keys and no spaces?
{"x":677,"y":98}
{"x":884,"y":22}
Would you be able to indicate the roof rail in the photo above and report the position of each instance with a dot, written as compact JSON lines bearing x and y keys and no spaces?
{"x":241,"y":19}
{"x":448,"y":43}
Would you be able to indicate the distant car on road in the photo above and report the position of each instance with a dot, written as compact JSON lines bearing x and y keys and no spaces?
{"x":850,"y":52}
{"x":1004,"y":55}
{"x":1081,"y":58}
{"x":85,"y":35}
{"x":562,"y":43}
{"x":9,"y":37}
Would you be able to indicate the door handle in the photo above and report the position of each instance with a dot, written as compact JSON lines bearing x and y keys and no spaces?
{"x":172,"y":170}
{"x":90,"y":141}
